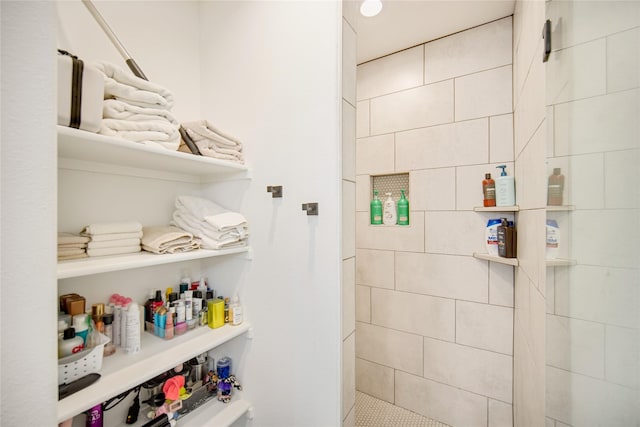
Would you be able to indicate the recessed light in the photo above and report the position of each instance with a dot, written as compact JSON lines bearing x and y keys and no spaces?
{"x":370,"y":8}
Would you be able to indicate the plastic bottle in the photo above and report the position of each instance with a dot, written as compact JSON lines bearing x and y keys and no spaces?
{"x":488,"y":191}
{"x":69,"y":343}
{"x":235,"y":311}
{"x":109,"y":347}
{"x":168,"y":326}
{"x":491,"y":236}
{"x":389,"y":215}
{"x":505,"y":188}
{"x":376,"y":209}
{"x":553,"y":239}
{"x":81,"y":325}
{"x":133,"y":329}
{"x":123,"y":321}
{"x":555,"y":188}
{"x":403,"y":210}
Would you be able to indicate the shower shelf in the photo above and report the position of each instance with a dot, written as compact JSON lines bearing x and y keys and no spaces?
{"x":514,"y":208}
{"x":563,"y":208}
{"x":498,"y":259}
{"x":561,"y":262}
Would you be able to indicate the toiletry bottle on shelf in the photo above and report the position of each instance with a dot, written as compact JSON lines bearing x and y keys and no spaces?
{"x":553,"y":239}
{"x":403,"y":210}
{"x":133,"y":329}
{"x":555,"y":188}
{"x":488,"y":191}
{"x":389,"y":215}
{"x":376,"y":209}
{"x":70,"y":343}
{"x":491,"y":236}
{"x":505,"y":188}
{"x":235,"y":311}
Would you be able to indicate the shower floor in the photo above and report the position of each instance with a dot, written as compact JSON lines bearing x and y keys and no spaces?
{"x":372,"y":412}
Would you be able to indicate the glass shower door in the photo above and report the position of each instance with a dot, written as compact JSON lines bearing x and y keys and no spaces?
{"x":593,"y":276}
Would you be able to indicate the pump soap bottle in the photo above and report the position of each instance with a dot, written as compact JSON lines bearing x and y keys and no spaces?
{"x":488,"y":191}
{"x":505,"y":188}
{"x":403,"y":210}
{"x":390,"y":215}
{"x":555,"y":188}
{"x":376,"y":209}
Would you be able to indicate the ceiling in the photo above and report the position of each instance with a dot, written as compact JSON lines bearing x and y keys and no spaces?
{"x":406,"y":23}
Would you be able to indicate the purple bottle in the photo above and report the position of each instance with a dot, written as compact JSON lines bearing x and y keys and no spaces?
{"x":94,"y":416}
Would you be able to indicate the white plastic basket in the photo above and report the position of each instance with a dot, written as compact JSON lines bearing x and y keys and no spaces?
{"x":75,"y":366}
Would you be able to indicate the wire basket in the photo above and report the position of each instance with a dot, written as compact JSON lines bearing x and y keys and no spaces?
{"x":75,"y":366}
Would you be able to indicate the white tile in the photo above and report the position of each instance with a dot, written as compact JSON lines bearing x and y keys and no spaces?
{"x":447,"y":276}
{"x":549,"y":129}
{"x":500,"y":414}
{"x":575,"y":345}
{"x":350,"y":419}
{"x":469,"y":183}
{"x":487,"y":93}
{"x":584,"y":179}
{"x":349,"y":43}
{"x":580,"y":400}
{"x":390,"y":237}
{"x":441,"y":402}
{"x":623,"y":60}
{"x":604,"y":123}
{"x":565,"y":84}
{"x":529,"y":41}
{"x":621,"y":178}
{"x":393,"y":73}
{"x":348,"y":297}
{"x":501,"y":138}
{"x":348,"y":219}
{"x":529,"y":383}
{"x":375,"y":380}
{"x":363,"y":304}
{"x":348,"y":141}
{"x":600,"y":294}
{"x":622,"y":356}
{"x":362,"y":119}
{"x":480,"y":48}
{"x":532,"y":244}
{"x":484,"y":326}
{"x":375,"y":268}
{"x":395,"y":349}
{"x":483,"y":372}
{"x":455,"y":144}
{"x":433,"y":189}
{"x":456,"y":233}
{"x":375,"y":155}
{"x":531,"y":176}
{"x":530,"y":111}
{"x":413,"y":108}
{"x":417,"y":314}
{"x":363,"y":192}
{"x":348,"y":374}
{"x":350,"y":13}
{"x":501,"y":284}
{"x":551,"y":291}
{"x":549,"y":422}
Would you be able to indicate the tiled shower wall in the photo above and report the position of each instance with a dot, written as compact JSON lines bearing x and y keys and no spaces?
{"x":435,"y":325}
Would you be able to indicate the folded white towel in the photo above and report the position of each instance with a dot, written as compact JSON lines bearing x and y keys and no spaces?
{"x":113,"y":251}
{"x":208,"y":149}
{"x":151,"y":132}
{"x":71,"y":238}
{"x":203,"y":229}
{"x":72,"y":245}
{"x":125,"y":86}
{"x":112,"y":227}
{"x":204,"y":129}
{"x":70,"y":251}
{"x":115,"y":109}
{"x":113,"y":243}
{"x":69,"y":257}
{"x":226,"y":221}
{"x":168,"y":239}
{"x":198,"y":207}
{"x":116,"y":236}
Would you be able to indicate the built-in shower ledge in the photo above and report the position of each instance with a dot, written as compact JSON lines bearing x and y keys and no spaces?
{"x":498,"y":259}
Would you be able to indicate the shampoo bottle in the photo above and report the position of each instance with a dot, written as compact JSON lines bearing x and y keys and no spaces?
{"x":553,"y":239}
{"x":488,"y":191}
{"x":376,"y":209}
{"x":505,"y":188}
{"x":403,"y":210}
{"x":555,"y":188}
{"x":389,"y":216}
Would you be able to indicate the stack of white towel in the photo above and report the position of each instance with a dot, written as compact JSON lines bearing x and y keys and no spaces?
{"x":71,"y":246}
{"x":137,"y":110}
{"x":215,"y":226}
{"x":113,"y":238}
{"x":212,"y":142}
{"x":168,"y":240}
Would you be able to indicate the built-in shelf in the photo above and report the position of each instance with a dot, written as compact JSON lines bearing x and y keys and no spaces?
{"x":493,"y":258}
{"x":105,"y":264}
{"x":515,"y":208}
{"x":217,"y":414}
{"x":121,"y":372}
{"x":561,"y":208}
{"x":560,"y":262}
{"x":76,"y":147}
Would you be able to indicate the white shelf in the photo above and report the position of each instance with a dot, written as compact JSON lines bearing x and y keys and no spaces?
{"x":122,"y":372}
{"x":563,"y":208}
{"x":493,"y":258}
{"x":560,"y":262}
{"x":515,"y":208}
{"x":90,"y":147}
{"x":216,"y":414}
{"x":105,"y":264}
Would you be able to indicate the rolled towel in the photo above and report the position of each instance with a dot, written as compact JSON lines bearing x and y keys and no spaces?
{"x":113,"y":251}
{"x":151,"y":132}
{"x":226,"y":221}
{"x":204,"y":129}
{"x":124,"y":86}
{"x":112,"y":227}
{"x":113,"y":243}
{"x":65,"y":238}
{"x":168,"y":239}
{"x":120,"y":110}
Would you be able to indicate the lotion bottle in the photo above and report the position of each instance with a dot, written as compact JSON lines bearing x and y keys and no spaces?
{"x":376,"y":209}
{"x":505,"y":188}
{"x":389,"y":216}
{"x":235,"y":312}
{"x":403,"y":210}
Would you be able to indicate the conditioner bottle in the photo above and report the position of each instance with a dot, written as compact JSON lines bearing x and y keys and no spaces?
{"x":403,"y":210}
{"x":505,"y":188}
{"x":390,"y":215}
{"x":376,"y":209}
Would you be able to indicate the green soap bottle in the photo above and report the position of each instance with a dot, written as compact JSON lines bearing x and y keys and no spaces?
{"x":376,"y":209}
{"x":403,"y":210}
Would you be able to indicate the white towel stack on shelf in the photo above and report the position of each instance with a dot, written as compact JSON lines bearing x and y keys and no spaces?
{"x":214,"y":225}
{"x":71,"y":246}
{"x":113,"y":238}
{"x":168,"y":240}
{"x":212,"y":142}
{"x":137,"y":110}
